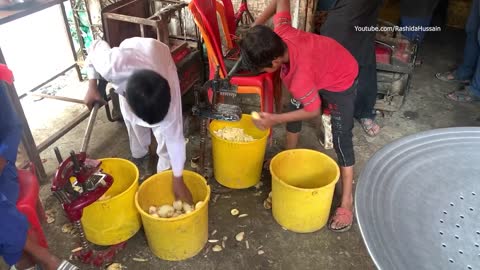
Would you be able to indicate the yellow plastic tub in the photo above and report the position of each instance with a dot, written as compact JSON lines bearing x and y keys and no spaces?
{"x":238,"y":164}
{"x":176,"y":238}
{"x":303,"y":182}
{"x":114,"y":220}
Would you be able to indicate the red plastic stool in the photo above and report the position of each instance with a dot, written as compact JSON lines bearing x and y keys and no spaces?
{"x":29,"y":203}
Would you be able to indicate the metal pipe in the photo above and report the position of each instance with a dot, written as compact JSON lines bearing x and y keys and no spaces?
{"x":88,"y":132}
{"x":203,"y":135}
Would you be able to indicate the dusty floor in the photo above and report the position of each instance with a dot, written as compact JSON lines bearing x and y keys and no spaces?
{"x":425,"y":109}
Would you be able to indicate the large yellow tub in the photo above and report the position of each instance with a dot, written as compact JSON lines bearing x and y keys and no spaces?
{"x":238,"y":164}
{"x":303,"y":183}
{"x":114,"y":220}
{"x":176,"y":238}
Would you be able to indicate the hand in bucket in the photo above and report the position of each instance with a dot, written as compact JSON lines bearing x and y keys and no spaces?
{"x":181,"y":191}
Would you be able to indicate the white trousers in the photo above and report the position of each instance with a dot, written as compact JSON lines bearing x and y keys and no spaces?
{"x":140,"y":137}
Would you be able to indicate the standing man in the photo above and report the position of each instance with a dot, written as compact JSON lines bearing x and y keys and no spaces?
{"x":144,"y":75}
{"x":340,"y":25}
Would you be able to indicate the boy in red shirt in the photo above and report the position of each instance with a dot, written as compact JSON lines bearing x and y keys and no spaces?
{"x":314,"y":68}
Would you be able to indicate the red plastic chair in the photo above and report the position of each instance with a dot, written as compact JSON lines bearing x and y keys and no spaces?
{"x":29,"y":203}
{"x":204,"y":13}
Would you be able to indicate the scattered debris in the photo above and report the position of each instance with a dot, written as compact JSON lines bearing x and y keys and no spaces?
{"x":258,"y":194}
{"x":267,"y":204}
{"x":77,"y":249}
{"x":193,"y":164}
{"x":284,"y":228}
{"x":246,"y":244}
{"x":239,"y":236}
{"x":217,"y":248}
{"x":348,"y":254}
{"x":214,"y":232}
{"x":115,"y":266}
{"x":67,"y":228}
{"x":259,"y":185}
{"x":187,"y":140}
{"x":215,"y":198}
{"x":243,"y":215}
{"x":50,"y":216}
{"x":260,"y":247}
{"x":223,"y":242}
{"x":234,"y":212}
{"x":213,"y":240}
{"x":261,"y":252}
{"x":140,"y":260}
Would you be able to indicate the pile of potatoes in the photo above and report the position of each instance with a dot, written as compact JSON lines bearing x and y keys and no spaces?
{"x":233,"y":134}
{"x":176,"y":209}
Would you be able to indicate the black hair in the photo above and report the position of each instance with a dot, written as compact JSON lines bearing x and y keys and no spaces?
{"x":148,"y":94}
{"x":260,"y":46}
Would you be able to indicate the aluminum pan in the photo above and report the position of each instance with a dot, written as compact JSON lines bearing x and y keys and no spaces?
{"x":418,"y":201}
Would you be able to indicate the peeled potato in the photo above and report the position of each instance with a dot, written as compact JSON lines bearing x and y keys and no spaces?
{"x":187,"y":208}
{"x":152,"y":209}
{"x":165,"y":211}
{"x":178,"y":205}
{"x":255,"y":115}
{"x":198,"y":204}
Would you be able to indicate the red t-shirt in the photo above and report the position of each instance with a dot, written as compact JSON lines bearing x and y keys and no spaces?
{"x":315,"y":62}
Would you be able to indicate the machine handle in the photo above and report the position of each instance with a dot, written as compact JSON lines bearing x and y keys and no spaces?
{"x":88,"y":132}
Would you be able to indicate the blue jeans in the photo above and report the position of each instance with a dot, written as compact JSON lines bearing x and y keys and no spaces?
{"x":410,"y":21}
{"x":469,"y":68}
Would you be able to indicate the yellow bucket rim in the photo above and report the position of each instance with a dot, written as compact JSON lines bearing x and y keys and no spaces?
{"x":304,"y":189}
{"x":145,"y":214}
{"x":267,"y":132}
{"x":137,"y":174}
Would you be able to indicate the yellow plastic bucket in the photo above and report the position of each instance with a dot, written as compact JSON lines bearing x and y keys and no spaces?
{"x":238,"y":164}
{"x":116,"y":219}
{"x":176,"y":238}
{"x":303,"y":183}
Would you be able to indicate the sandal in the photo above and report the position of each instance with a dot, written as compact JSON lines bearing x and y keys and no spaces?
{"x":370,"y":127}
{"x":463,"y":95}
{"x":342,"y":216}
{"x":449,"y":76}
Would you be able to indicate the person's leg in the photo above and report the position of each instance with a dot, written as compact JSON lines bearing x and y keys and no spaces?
{"x":471,"y":51}
{"x":471,"y":92}
{"x":139,"y":137}
{"x":366,"y":98}
{"x":341,"y":107}
{"x":416,"y":36}
{"x":163,"y":157}
{"x":293,"y":128}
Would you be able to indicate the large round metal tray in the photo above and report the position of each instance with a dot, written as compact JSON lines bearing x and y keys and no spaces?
{"x":418,"y":202}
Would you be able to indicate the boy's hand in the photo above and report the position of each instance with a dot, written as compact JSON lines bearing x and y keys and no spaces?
{"x":181,"y":191}
{"x":266,"y":121}
{"x":92,"y":96}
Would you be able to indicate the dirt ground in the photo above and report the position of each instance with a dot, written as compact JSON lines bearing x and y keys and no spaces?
{"x":425,"y":109}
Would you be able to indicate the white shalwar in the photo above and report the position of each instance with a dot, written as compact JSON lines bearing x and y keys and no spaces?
{"x":116,"y":65}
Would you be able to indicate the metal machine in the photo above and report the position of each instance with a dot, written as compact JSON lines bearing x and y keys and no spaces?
{"x":395,"y":57}
{"x":217,"y":109}
{"x":79,"y":182}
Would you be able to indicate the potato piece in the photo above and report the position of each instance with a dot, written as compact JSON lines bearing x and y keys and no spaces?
{"x":187,"y":208}
{"x":165,"y":211}
{"x":255,"y":115}
{"x":198,"y":204}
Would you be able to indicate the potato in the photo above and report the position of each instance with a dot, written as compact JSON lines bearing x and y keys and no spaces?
{"x":187,"y":208}
{"x":198,"y":204}
{"x":255,"y":115}
{"x":152,"y":209}
{"x":178,"y":205}
{"x":165,"y":211}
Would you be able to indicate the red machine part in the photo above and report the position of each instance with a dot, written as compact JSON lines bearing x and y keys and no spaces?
{"x":86,"y":168}
{"x":99,"y":258}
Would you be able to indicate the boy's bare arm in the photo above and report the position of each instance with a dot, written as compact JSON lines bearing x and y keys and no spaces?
{"x":274,"y":6}
{"x":268,"y":120}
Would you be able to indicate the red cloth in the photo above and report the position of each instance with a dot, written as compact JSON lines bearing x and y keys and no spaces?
{"x":6,"y":74}
{"x":315,"y":62}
